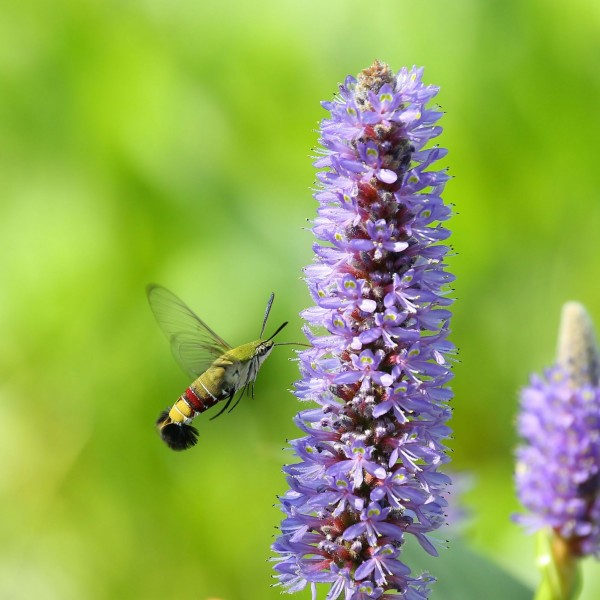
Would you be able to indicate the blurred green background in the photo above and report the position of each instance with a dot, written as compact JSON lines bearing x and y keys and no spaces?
{"x":170,"y":141}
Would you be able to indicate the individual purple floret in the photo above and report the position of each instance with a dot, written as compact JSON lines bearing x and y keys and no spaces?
{"x":368,"y":471}
{"x":558,"y":465}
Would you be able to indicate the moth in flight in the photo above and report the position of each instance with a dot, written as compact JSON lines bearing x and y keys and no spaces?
{"x":219,"y":370}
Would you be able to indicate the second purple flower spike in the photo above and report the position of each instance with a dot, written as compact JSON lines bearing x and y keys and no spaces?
{"x":378,"y":367}
{"x":558,"y":462}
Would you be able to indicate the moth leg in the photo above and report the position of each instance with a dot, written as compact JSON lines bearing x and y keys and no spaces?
{"x":229,"y":399}
{"x":244,"y":389}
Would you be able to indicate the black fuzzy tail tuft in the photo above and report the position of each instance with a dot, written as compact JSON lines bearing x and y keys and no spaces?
{"x":178,"y":436}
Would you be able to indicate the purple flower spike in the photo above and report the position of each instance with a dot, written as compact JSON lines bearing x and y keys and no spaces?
{"x":558,"y":465}
{"x":368,"y":471}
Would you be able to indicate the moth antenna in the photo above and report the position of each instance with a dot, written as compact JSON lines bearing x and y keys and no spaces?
{"x":267,"y":311}
{"x":277,"y":331}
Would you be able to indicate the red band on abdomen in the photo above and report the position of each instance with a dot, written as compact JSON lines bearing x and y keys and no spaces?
{"x":194,"y":401}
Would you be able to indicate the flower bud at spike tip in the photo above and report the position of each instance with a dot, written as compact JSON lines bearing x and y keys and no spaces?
{"x":578,"y":354}
{"x":379,"y":361}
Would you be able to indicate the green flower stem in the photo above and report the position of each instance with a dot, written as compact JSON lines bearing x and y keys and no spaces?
{"x":559,"y":567}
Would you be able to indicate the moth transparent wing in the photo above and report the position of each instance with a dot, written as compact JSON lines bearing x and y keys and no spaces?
{"x":193,"y":356}
{"x":193,"y":343}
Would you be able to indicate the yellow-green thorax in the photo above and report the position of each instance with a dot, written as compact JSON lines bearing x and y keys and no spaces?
{"x":233,"y":370}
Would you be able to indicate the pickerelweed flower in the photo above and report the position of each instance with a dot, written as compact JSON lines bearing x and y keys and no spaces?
{"x":378,"y":366}
{"x":558,"y":465}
